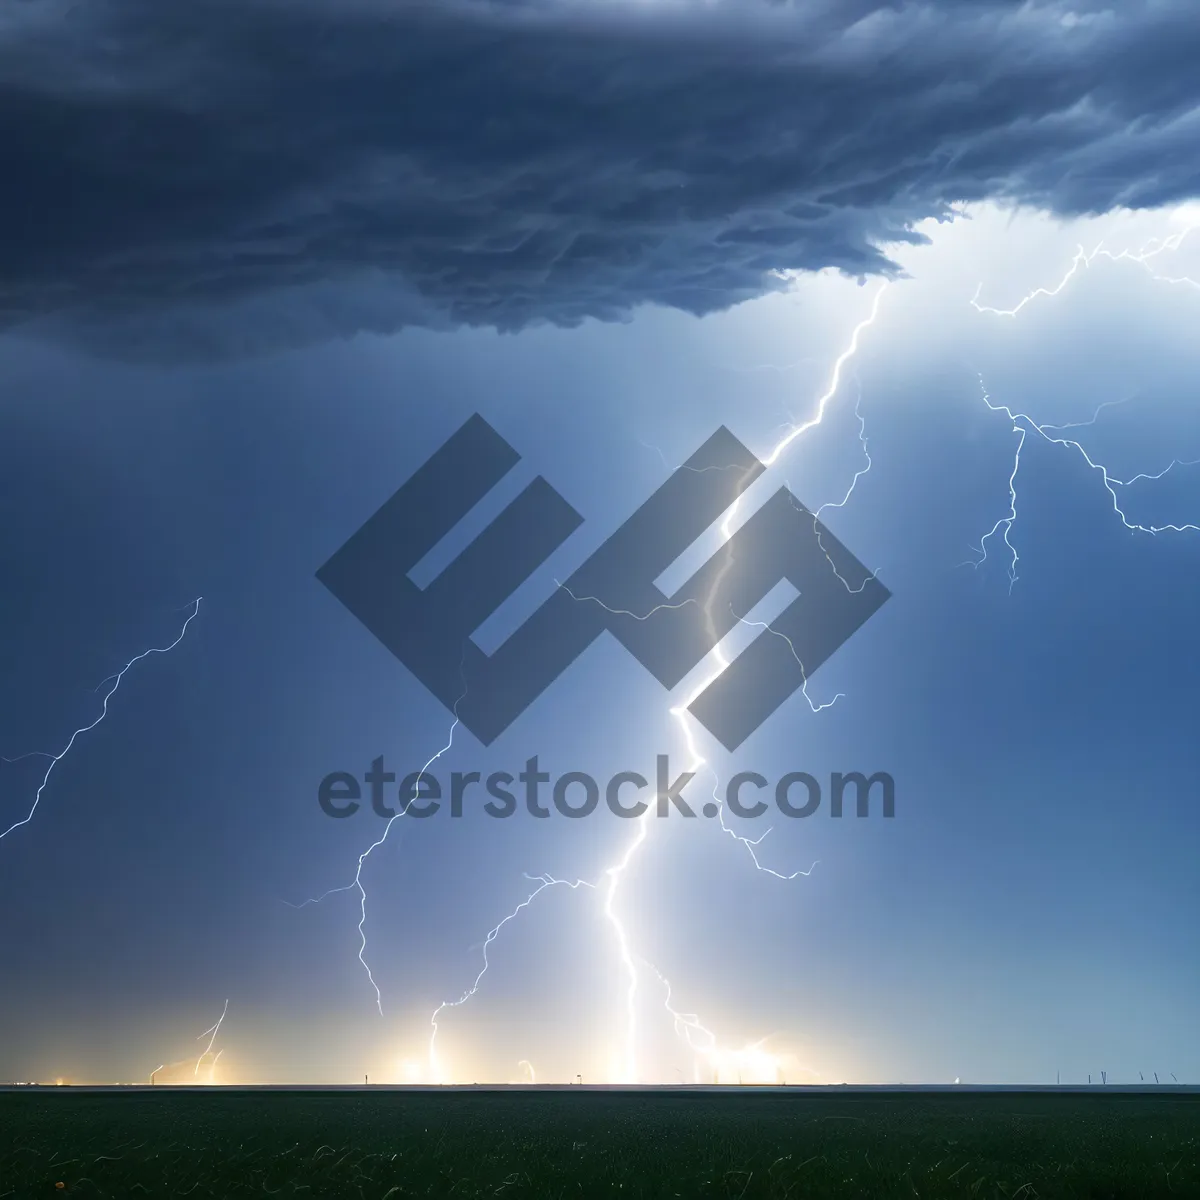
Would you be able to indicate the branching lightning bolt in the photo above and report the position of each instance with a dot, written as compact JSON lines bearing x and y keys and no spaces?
{"x":862,"y":441}
{"x":211,"y":1033}
{"x":721,"y":662}
{"x":698,"y":1037}
{"x":543,"y":882}
{"x":356,"y":883}
{"x":115,"y":681}
{"x":1023,"y":424}
{"x":1150,"y":250}
{"x":688,"y":1026}
{"x":614,"y":874}
{"x":1007,"y":521}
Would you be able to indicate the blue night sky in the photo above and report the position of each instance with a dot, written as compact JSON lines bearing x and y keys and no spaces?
{"x":260,"y":263}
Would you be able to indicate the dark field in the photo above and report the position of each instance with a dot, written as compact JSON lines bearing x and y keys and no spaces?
{"x":384,"y":1145}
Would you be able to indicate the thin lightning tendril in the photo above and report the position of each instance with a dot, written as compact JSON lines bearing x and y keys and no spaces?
{"x":1150,"y":250}
{"x":1023,"y":424}
{"x":543,"y":882}
{"x":211,"y":1034}
{"x":356,"y":883}
{"x":863,"y":441}
{"x":115,"y":680}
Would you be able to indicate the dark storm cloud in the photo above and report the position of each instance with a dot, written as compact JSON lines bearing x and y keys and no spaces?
{"x":317,"y":168}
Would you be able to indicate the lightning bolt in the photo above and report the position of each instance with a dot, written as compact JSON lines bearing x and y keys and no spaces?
{"x":211,"y":1034}
{"x":356,"y":883}
{"x":1084,"y":259}
{"x":616,"y":873}
{"x":1023,"y":424}
{"x":115,"y":681}
{"x":613,"y":875}
{"x":688,"y":1025}
{"x":698,"y":1037}
{"x":543,"y":882}
{"x":1007,"y":521}
{"x":701,"y":1040}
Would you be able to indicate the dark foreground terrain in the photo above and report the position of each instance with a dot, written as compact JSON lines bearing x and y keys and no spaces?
{"x":386,"y":1145}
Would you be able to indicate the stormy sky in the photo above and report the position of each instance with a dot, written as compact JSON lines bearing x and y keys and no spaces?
{"x":229,"y":176}
{"x":260,"y":260}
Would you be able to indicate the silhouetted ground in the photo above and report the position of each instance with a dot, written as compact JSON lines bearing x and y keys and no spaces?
{"x":384,"y":1145}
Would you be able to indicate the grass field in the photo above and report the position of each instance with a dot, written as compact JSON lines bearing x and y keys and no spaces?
{"x":387,"y":1145}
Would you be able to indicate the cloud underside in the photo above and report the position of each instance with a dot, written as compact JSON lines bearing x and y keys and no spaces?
{"x":216,"y":177}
